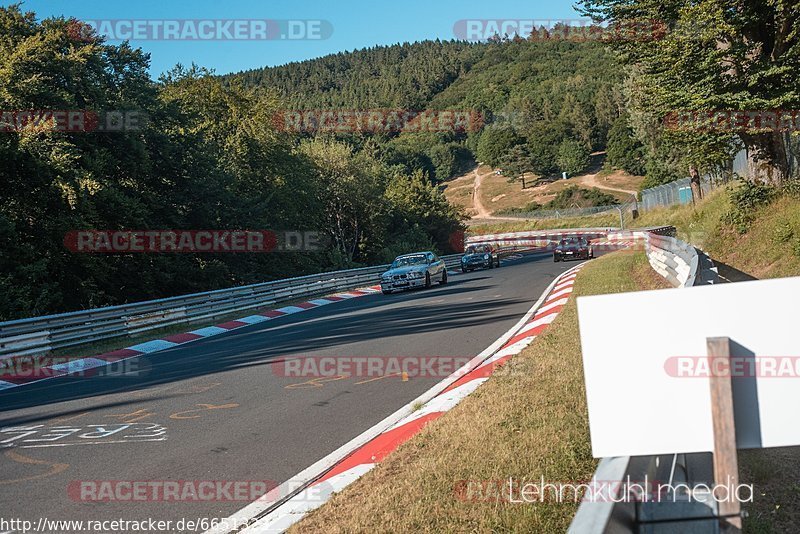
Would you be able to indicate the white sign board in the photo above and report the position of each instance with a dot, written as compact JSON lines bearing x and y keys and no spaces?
{"x":646,"y":366}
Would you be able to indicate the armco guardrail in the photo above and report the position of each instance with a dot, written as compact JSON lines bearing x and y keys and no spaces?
{"x":41,"y":334}
{"x":673,"y":259}
{"x":680,"y":263}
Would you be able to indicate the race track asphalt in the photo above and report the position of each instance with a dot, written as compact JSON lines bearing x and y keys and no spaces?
{"x":221,"y":409}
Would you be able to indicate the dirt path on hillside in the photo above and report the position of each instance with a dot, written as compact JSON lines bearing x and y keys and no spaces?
{"x":591,"y":181}
{"x":477,"y":203}
{"x":483,"y":215}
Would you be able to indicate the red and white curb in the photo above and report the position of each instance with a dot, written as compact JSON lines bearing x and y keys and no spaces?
{"x":10,"y":379}
{"x":310,"y":489}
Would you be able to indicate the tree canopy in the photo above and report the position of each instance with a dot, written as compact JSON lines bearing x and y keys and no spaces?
{"x":709,"y":56}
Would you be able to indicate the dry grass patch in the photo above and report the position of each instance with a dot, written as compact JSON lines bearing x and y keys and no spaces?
{"x":617,"y":179}
{"x":459,"y":192}
{"x":498,"y":194}
{"x":529,"y":420}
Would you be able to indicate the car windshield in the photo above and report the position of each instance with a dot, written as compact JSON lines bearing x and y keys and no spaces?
{"x":405,"y":261}
{"x":572,"y":242}
{"x":475,"y":249}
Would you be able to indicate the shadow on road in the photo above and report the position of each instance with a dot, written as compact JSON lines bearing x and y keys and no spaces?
{"x":323,"y":331}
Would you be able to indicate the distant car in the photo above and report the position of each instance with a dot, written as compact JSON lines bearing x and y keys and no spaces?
{"x":573,"y":248}
{"x":419,"y":269}
{"x":479,"y":257}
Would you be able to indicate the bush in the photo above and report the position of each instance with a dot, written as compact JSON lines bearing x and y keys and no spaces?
{"x":792,"y":188}
{"x":783,"y":234}
{"x":745,"y":200}
{"x":571,"y":197}
{"x":572,"y":157}
{"x":574,"y":196}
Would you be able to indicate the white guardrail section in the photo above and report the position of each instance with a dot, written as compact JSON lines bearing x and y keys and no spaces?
{"x":38,"y":335}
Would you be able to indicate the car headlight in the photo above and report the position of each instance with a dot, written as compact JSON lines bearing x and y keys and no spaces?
{"x":415,"y":274}
{"x":485,"y":256}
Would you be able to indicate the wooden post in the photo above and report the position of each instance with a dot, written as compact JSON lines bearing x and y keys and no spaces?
{"x":726,"y":463}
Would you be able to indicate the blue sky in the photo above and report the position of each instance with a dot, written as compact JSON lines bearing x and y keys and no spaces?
{"x":356,"y":24}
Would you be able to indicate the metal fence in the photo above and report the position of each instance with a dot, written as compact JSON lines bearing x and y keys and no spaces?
{"x":573,"y":212}
{"x":677,"y":192}
{"x":680,"y":191}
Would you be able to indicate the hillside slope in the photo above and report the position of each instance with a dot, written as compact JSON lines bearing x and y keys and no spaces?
{"x":552,"y":90}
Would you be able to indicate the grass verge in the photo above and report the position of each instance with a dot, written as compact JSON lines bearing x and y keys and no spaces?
{"x":529,"y":420}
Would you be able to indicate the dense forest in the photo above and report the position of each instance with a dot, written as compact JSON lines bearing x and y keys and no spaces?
{"x":546,"y":98}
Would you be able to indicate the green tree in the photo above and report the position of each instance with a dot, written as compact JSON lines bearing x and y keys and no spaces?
{"x":352,"y":193}
{"x":624,"y":151}
{"x":572,"y":157}
{"x":733,"y":55}
{"x":416,"y":204}
{"x":544,"y":138}
{"x":494,"y":143}
{"x":516,"y":163}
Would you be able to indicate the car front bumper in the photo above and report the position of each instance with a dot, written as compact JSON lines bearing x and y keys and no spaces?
{"x":398,"y":285}
{"x":572,"y":255}
{"x":476,"y":263}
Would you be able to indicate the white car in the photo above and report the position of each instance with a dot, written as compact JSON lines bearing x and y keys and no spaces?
{"x":419,"y":269}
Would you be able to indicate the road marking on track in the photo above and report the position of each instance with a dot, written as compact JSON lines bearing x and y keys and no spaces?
{"x":55,"y":468}
{"x":404,"y":376}
{"x":317,"y":382}
{"x":38,"y":436}
{"x":203,"y":407}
